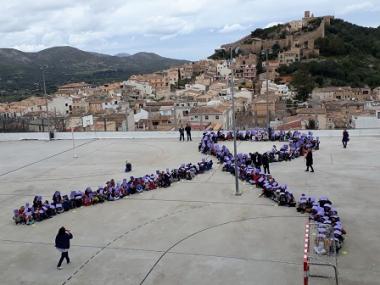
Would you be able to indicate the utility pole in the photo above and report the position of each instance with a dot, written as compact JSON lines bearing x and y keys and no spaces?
{"x":46,"y":99}
{"x":267,"y":86}
{"x":237,"y":192}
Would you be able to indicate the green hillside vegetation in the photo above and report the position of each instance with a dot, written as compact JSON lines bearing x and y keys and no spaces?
{"x":349,"y":56}
{"x":20,"y":73}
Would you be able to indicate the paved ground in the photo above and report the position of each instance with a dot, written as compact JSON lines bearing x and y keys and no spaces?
{"x":195,"y":232}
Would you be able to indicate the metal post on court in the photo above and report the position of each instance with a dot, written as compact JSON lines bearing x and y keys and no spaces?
{"x":237,"y":191}
{"x":72,"y":136}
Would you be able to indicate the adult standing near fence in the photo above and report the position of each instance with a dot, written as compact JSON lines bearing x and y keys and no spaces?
{"x":62,"y":243}
{"x":309,"y":160}
{"x":181,"y":134}
{"x":188,"y":132}
{"x":346,"y":138}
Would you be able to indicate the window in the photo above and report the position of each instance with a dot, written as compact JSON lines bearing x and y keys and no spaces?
{"x":196,"y":117}
{"x":206,"y":117}
{"x":378,"y":115}
{"x":217,"y":117}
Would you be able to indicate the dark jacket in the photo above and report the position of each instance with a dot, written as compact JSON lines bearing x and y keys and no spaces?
{"x":265,"y":160}
{"x":188,"y":129}
{"x":309,"y":158}
{"x":181,"y":131}
{"x":345,"y":136}
{"x":63,"y":241}
{"x":259,"y":160}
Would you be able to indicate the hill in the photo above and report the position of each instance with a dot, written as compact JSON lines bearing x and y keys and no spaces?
{"x":20,"y":73}
{"x":122,"y":54}
{"x":349,"y":56}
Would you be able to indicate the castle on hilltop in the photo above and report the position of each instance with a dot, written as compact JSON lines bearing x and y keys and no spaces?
{"x":295,"y":40}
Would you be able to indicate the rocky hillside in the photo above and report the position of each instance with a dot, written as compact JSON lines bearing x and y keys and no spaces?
{"x":349,"y":55}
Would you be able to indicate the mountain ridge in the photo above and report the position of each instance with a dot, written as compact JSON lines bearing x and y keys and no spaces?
{"x":21,"y":75}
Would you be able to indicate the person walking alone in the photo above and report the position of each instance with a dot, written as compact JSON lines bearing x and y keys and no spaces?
{"x":188,"y":132}
{"x":181,"y":134}
{"x":346,"y":138}
{"x":62,"y":243}
{"x":309,"y":160}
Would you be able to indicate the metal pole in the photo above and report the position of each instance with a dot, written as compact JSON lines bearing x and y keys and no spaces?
{"x":237,"y":192}
{"x":72,"y":136}
{"x":267,"y":83}
{"x":46,"y":99}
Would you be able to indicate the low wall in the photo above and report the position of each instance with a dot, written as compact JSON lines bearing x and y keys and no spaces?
{"x":155,"y":135}
{"x":23,"y":136}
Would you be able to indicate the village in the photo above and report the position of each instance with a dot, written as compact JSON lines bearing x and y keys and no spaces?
{"x":200,"y":94}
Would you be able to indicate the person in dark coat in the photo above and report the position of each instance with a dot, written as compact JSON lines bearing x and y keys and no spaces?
{"x":188,"y":132}
{"x":253,"y":158}
{"x":62,"y":243}
{"x":309,"y":160}
{"x":265,"y":161}
{"x":259,"y":160}
{"x":346,"y":138}
{"x":181,"y":134}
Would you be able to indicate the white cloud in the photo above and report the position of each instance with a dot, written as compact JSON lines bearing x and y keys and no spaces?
{"x":108,"y":26}
{"x":29,"y":48}
{"x":272,"y":24}
{"x":364,"y":6}
{"x":231,"y":28}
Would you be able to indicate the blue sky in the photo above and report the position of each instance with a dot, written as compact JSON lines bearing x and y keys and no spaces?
{"x":188,"y":29}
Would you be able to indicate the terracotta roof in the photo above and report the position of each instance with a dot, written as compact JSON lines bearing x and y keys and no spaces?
{"x":162,"y":103}
{"x":311,"y":111}
{"x":208,"y":110}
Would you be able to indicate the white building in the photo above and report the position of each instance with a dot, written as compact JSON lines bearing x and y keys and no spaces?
{"x":244,"y":94}
{"x":205,"y":116}
{"x":223,"y":70}
{"x":167,"y":110}
{"x":144,"y":88}
{"x":196,"y":87}
{"x":61,"y":105}
{"x":111,"y":104}
{"x":279,"y":89}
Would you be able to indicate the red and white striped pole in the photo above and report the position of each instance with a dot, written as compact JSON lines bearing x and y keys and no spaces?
{"x":305,"y":256}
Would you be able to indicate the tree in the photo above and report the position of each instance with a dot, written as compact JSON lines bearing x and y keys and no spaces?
{"x":311,"y":125}
{"x":303,"y":82}
{"x":259,"y":66}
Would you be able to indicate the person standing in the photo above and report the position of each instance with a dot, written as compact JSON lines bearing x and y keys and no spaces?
{"x":62,"y":243}
{"x":188,"y":132}
{"x":181,"y":134}
{"x":309,"y":160}
{"x":265,"y":161}
{"x":346,"y":138}
{"x":259,"y":160}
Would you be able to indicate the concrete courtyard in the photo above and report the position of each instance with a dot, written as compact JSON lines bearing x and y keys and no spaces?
{"x":195,"y":232}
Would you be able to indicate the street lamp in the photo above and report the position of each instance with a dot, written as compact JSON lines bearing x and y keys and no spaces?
{"x":237,"y":192}
{"x":267,"y":85}
{"x":42,"y":67}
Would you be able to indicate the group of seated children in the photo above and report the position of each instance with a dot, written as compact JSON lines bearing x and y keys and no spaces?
{"x":112,"y":191}
{"x":297,"y":146}
{"x":321,"y":211}
{"x":256,"y":134}
{"x":330,"y":233}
